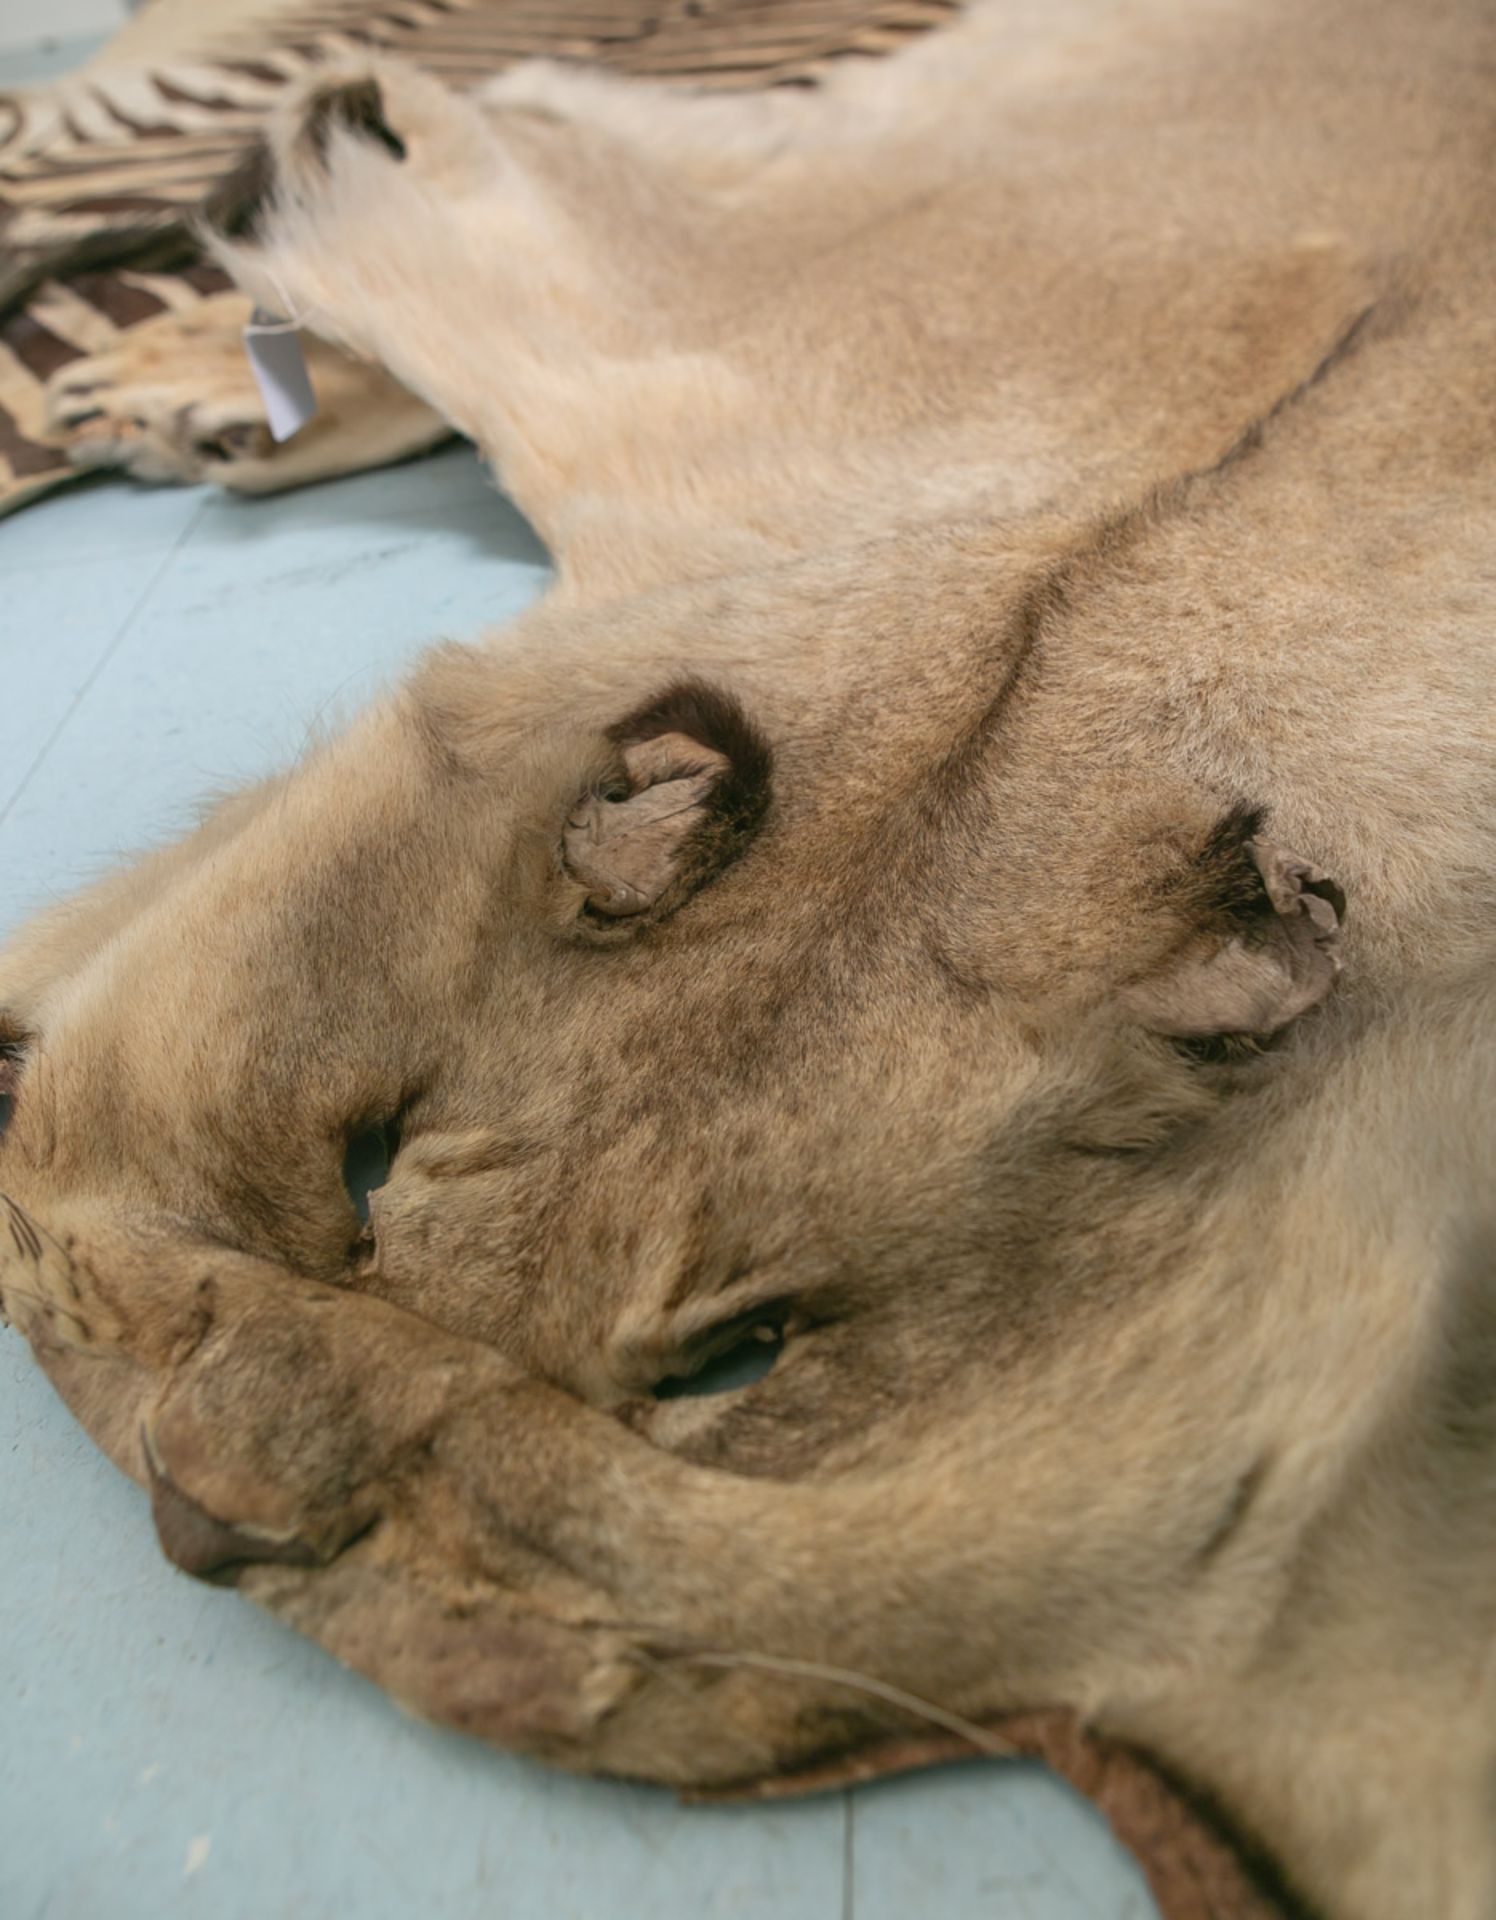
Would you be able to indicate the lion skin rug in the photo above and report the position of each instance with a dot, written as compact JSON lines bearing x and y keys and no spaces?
{"x":875,"y":1136}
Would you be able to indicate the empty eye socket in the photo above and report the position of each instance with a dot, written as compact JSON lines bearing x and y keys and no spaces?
{"x":749,"y":1355}
{"x":366,"y":1164}
{"x":11,"y":1056}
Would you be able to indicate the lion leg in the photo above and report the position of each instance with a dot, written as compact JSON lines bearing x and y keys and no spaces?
{"x":368,"y":236}
{"x":173,"y":399}
{"x":520,"y":270}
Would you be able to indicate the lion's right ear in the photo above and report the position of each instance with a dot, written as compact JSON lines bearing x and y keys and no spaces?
{"x":1275,"y":957}
{"x":690,"y":785}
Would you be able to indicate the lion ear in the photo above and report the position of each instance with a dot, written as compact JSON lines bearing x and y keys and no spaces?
{"x":690,"y":785}
{"x":1278,"y":959}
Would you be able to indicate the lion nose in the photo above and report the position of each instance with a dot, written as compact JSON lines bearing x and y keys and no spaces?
{"x":208,"y":1548}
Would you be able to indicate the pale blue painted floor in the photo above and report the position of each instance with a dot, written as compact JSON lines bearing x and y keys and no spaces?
{"x":165,"y":1750}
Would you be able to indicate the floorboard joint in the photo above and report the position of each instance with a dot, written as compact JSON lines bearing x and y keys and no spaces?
{"x":39,"y":758}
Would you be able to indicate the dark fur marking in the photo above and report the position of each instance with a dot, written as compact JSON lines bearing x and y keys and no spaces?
{"x":1229,"y":1522}
{"x":717,"y":720}
{"x":1252,"y":437}
{"x":736,"y":805}
{"x":235,"y":205}
{"x":122,"y":304}
{"x":360,"y":108}
{"x":37,"y":348}
{"x":951,"y":775}
{"x":22,"y":1231}
{"x":27,"y":457}
{"x":1222,"y":882}
{"x":11,"y":1059}
{"x":1259,"y":1868}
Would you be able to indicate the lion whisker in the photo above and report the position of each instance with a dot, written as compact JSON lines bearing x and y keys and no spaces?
{"x":980,"y":1737}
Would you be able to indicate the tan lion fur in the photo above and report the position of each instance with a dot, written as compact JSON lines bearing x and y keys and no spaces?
{"x":1053,"y":471}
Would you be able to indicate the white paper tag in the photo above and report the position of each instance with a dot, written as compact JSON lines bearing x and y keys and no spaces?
{"x":279,"y":368}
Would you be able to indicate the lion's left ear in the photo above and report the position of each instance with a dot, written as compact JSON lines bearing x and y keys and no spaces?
{"x":1277,"y":957}
{"x":692,"y":783}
